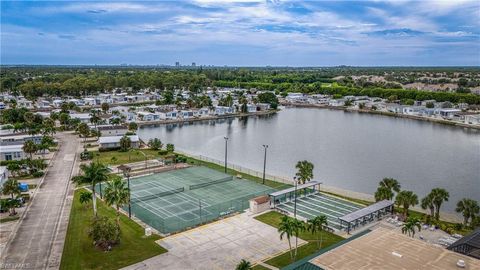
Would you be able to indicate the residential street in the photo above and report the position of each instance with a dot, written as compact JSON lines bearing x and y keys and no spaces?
{"x":38,"y":241}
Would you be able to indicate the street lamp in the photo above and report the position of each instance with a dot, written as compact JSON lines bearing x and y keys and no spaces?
{"x":226,"y":148}
{"x":295,"y":198}
{"x":265,"y":146}
{"x":126,"y":173}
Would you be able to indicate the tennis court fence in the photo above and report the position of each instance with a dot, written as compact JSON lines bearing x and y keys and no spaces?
{"x":239,"y":168}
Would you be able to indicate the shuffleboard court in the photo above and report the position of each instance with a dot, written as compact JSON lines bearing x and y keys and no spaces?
{"x":176,"y":200}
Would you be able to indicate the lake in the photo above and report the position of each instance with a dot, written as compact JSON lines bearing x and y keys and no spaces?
{"x":349,"y":150}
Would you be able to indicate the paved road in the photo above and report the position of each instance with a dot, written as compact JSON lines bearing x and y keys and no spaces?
{"x":37,"y":234}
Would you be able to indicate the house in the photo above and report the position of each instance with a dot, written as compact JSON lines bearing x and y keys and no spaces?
{"x":112,"y":130}
{"x":146,"y":116}
{"x":263,"y":106}
{"x":186,"y":114}
{"x":24,"y":103}
{"x":296,"y":97}
{"x":394,"y":107}
{"x":251,"y":108}
{"x":448,"y":113}
{"x":12,"y":152}
{"x":473,"y":119}
{"x":222,"y":110}
{"x":203,"y":112}
{"x":90,"y":101}
{"x":20,"y":139}
{"x":57,"y":103}
{"x":2,"y":106}
{"x":413,"y":110}
{"x":43,"y":104}
{"x":83,"y":117}
{"x":336,"y":102}
{"x":113,"y":142}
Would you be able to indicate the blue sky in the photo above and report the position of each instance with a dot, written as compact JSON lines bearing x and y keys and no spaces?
{"x":242,"y":33}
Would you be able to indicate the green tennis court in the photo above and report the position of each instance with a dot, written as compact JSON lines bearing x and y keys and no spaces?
{"x":176,"y":200}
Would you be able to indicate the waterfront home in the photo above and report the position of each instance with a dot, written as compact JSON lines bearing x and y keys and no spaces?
{"x":296,"y":97}
{"x":448,"y":113}
{"x":394,"y":107}
{"x":263,"y":106}
{"x":113,"y":142}
{"x":20,"y":139}
{"x":147,"y":116}
{"x":251,"y":108}
{"x":83,"y":117}
{"x":203,"y":112}
{"x":472,"y":119}
{"x":167,"y":114}
{"x":413,"y":110}
{"x":186,"y":114}
{"x":336,"y":102}
{"x":112,"y":130}
{"x":222,"y":110}
{"x":11,"y":152}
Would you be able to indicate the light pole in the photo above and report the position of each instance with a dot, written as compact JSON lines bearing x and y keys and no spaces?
{"x":226,"y":149}
{"x":126,"y":173}
{"x":265,"y":146}
{"x":295,"y":198}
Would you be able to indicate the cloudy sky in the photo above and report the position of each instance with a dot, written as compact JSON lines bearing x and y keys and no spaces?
{"x":242,"y":33}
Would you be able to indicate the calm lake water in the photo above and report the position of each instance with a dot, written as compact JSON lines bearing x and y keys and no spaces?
{"x":349,"y":150}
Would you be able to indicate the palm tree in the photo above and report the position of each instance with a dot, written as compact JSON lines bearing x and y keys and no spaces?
{"x":305,"y":171}
{"x":30,"y":148}
{"x":93,"y":173}
{"x":297,"y":226}
{"x":10,"y":187}
{"x":85,"y":197}
{"x":285,"y":228}
{"x":244,"y":265}
{"x":383,"y":193}
{"x":48,"y":126}
{"x":84,"y":131}
{"x":118,"y":194}
{"x":125,"y":143}
{"x":468,"y":208}
{"x":410,"y":225}
{"x":391,"y":184}
{"x":406,"y":199}
{"x":316,"y":226}
{"x":427,"y":202}
{"x":440,"y":195}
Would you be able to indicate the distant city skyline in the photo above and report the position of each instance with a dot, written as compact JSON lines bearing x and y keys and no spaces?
{"x":242,"y":33}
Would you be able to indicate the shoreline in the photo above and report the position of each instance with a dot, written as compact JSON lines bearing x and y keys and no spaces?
{"x":390,"y":114}
{"x":197,"y":119}
{"x":350,"y":194}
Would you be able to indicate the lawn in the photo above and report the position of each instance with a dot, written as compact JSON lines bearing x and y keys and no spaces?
{"x":219,"y":168}
{"x":134,"y":155}
{"x":273,"y":219}
{"x":79,"y":252}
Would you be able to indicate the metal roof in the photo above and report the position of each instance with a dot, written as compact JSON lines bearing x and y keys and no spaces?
{"x":472,"y":241}
{"x":292,"y":189}
{"x":116,"y":139}
{"x":366,"y":210}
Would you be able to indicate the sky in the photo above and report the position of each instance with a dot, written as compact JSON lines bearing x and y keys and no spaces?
{"x":242,"y":33}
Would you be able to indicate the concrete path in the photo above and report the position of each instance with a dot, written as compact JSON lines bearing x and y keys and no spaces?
{"x":219,"y":245}
{"x":38,"y":232}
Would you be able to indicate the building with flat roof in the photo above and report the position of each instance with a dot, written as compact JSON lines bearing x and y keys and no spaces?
{"x":112,"y":142}
{"x":388,"y":249}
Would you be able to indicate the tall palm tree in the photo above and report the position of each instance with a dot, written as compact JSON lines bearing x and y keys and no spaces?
{"x":30,"y":148}
{"x":93,"y":173}
{"x":468,"y":208}
{"x":244,"y":265}
{"x":406,"y":199}
{"x":427,"y":202}
{"x":440,"y":195}
{"x":297,"y":227}
{"x":305,"y":171}
{"x":410,"y":225}
{"x":383,"y":193}
{"x":285,"y":228}
{"x":391,"y":184}
{"x":316,"y":226}
{"x":118,"y":194}
{"x":85,"y":197}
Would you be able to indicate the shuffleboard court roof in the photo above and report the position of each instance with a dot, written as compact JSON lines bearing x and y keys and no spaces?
{"x":366,"y":211}
{"x":292,"y":189}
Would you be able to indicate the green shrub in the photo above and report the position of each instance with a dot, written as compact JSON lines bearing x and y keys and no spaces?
{"x":38,"y":174}
{"x":105,"y":232}
{"x":163,"y":152}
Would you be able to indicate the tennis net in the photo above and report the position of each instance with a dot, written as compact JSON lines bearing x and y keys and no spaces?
{"x":226,"y":179}
{"x":156,"y":195}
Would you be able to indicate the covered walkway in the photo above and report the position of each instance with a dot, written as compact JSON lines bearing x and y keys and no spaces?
{"x":367,"y":214}
{"x":288,"y":194}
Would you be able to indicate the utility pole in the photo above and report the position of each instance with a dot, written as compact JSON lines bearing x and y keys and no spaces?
{"x":226,"y":149}
{"x":295,"y":198}
{"x":265,"y":146}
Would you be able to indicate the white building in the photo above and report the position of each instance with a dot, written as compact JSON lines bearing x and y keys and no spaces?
{"x":12,"y":152}
{"x":113,"y":142}
{"x":3,"y":175}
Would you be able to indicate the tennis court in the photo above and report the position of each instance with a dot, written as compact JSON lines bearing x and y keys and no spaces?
{"x":321,"y":204}
{"x":176,"y":200}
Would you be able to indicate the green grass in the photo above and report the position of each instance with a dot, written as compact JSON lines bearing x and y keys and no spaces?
{"x":220,"y":168}
{"x":79,"y":252}
{"x":124,"y":157}
{"x":260,"y":267}
{"x":9,"y":218}
{"x":274,"y":218}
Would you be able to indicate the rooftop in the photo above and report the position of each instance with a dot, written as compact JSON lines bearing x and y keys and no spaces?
{"x":388,"y":249}
{"x":292,"y":189}
{"x":116,"y":139}
{"x":366,"y":210}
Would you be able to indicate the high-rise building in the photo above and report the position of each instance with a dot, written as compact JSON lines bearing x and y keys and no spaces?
{"x":177,"y":64}
{"x":193,"y":64}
